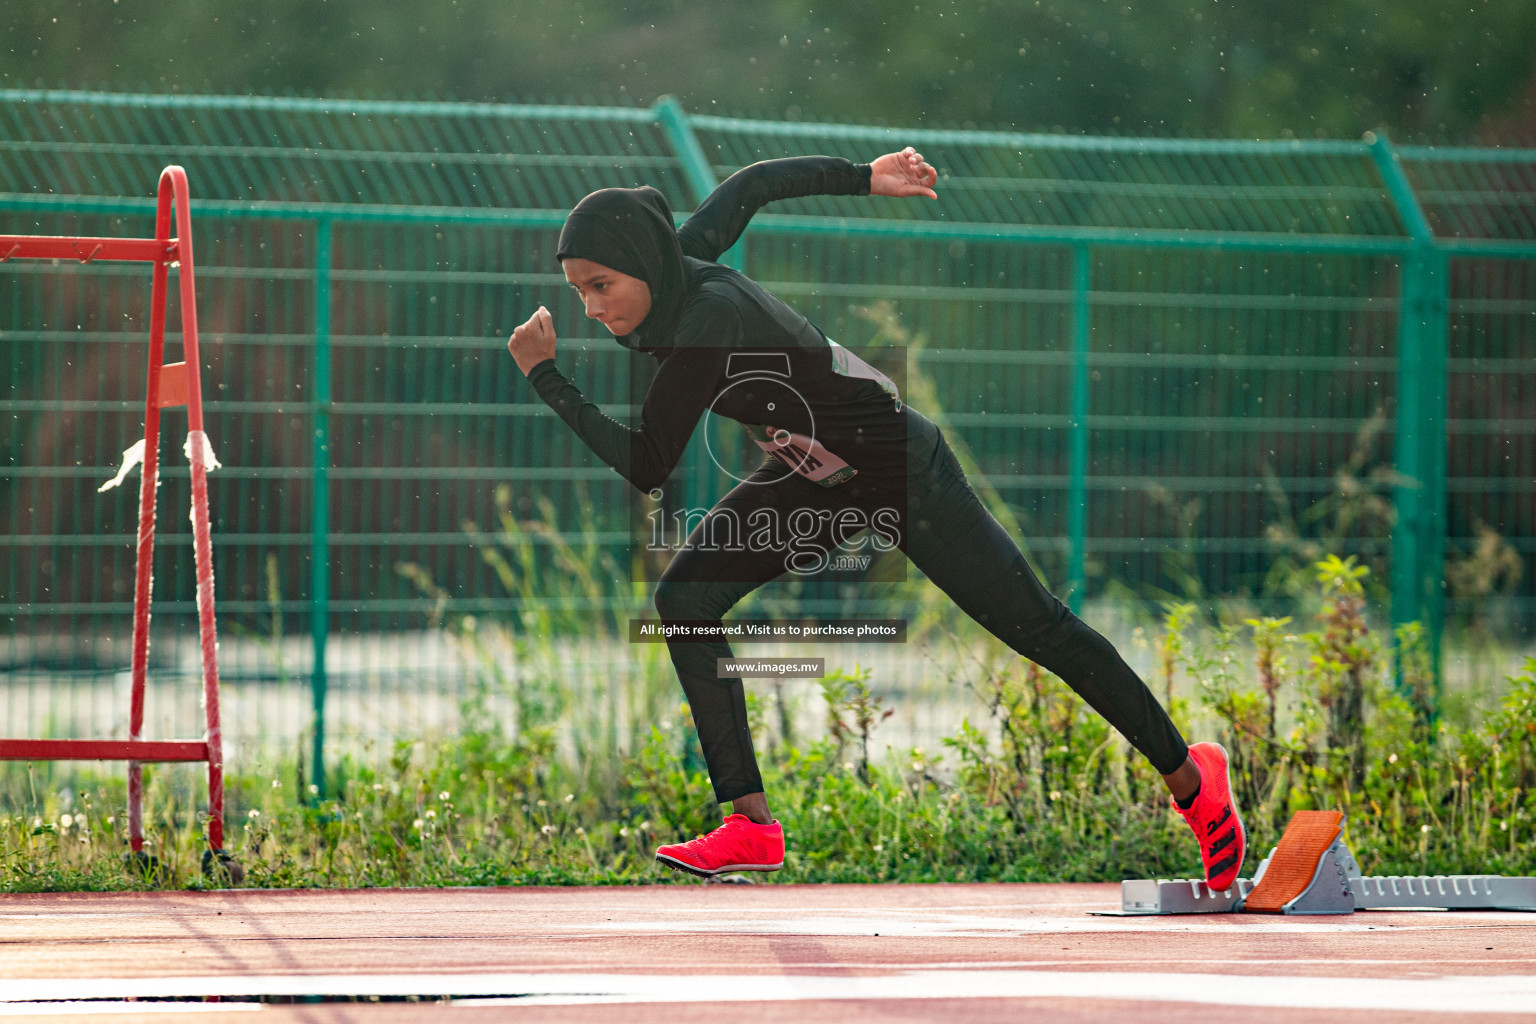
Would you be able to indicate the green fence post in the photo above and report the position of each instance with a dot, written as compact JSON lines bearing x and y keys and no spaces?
{"x":1434,"y":320}
{"x":320,"y":561}
{"x":701,"y":179}
{"x":1419,"y":541}
{"x":1077,"y":490}
{"x":1423,"y":329}
{"x":674,"y":121}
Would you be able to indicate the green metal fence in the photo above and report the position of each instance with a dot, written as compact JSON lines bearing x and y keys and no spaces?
{"x":1179,"y":362}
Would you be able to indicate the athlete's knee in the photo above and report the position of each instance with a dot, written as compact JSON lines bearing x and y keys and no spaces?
{"x":680,"y":599}
{"x":1072,"y":646}
{"x":1052,"y":630}
{"x":676,"y":600}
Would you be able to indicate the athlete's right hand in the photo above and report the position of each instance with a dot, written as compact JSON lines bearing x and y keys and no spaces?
{"x":534,"y":341}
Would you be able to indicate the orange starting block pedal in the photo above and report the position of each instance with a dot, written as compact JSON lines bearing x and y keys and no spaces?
{"x":1308,"y":872}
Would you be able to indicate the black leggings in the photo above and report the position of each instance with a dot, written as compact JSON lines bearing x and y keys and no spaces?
{"x":952,"y":539}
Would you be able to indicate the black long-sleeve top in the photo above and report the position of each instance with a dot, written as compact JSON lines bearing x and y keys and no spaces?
{"x":734,"y":350}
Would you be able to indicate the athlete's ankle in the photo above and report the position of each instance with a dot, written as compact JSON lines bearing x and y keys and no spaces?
{"x":753,"y":807}
{"x":1184,"y":783}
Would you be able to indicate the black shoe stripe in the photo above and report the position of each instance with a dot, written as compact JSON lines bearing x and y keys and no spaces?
{"x":1221,"y":865}
{"x":1226,"y":812}
{"x":1222,"y":843}
{"x":681,"y":865}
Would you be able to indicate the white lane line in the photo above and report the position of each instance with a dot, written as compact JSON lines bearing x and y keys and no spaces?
{"x":1450,"y":995}
{"x":939,"y":926}
{"x":70,"y":914}
{"x":83,"y":1009}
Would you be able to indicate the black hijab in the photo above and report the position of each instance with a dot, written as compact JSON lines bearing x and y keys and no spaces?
{"x":630,"y":230}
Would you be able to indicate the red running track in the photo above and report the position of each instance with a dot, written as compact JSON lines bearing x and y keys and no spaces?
{"x":764,"y":953}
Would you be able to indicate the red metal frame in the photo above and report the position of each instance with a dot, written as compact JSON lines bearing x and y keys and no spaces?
{"x":172,"y":384}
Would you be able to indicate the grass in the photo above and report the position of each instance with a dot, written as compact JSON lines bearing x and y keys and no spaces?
{"x":1043,"y":790}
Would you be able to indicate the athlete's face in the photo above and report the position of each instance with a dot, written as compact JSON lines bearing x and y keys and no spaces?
{"x":617,"y":301}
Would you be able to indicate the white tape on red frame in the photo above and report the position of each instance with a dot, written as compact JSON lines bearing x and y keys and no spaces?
{"x":195,"y":446}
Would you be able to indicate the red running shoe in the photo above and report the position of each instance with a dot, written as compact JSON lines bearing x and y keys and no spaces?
{"x":1213,"y":817}
{"x":740,"y":844}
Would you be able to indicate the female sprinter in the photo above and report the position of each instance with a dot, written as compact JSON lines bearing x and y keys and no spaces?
{"x":843,"y":452}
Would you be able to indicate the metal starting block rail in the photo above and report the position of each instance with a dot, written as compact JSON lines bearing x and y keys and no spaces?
{"x":1311,"y":871}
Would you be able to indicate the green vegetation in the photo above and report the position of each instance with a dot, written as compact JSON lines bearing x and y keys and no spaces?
{"x":1331,"y":716}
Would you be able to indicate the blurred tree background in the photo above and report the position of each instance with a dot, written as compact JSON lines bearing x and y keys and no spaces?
{"x":1424,"y":70}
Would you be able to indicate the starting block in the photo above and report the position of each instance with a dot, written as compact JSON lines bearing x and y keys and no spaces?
{"x":1311,"y":871}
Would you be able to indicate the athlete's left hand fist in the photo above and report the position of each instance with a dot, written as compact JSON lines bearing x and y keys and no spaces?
{"x":903,"y":174}
{"x":534,"y":341}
